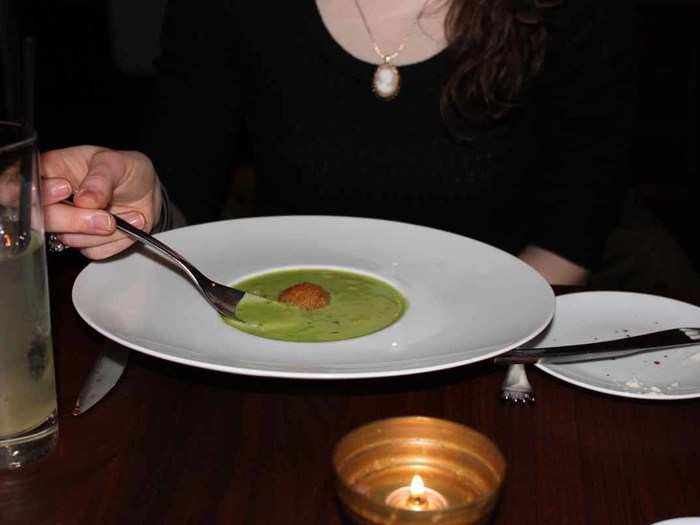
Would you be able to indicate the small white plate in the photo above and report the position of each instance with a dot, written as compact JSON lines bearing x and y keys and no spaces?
{"x":679,"y":521}
{"x":587,"y":317}
{"x":467,"y":301}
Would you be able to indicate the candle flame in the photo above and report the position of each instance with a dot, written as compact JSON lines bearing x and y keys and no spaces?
{"x":417,"y":487}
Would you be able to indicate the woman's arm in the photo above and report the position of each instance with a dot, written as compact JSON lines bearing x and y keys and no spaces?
{"x":585,"y":106}
{"x":194,"y":118}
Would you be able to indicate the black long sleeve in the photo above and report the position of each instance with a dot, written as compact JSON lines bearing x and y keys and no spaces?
{"x":195,"y":116}
{"x":585,"y":106}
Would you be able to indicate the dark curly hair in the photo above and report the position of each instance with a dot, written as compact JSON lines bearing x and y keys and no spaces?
{"x":497,"y":47}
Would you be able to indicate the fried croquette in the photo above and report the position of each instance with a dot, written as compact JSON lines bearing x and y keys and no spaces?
{"x":308,"y":296}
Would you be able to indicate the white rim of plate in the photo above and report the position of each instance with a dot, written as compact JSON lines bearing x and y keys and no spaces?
{"x":647,"y":396}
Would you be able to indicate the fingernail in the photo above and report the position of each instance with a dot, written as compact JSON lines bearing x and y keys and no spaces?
{"x":83,"y":192}
{"x":101,"y":222}
{"x":91,"y":187}
{"x":134,"y":218}
{"x":60,"y":190}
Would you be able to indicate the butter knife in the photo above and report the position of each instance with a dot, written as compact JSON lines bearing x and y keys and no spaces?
{"x":103,"y":375}
{"x":615,"y":348}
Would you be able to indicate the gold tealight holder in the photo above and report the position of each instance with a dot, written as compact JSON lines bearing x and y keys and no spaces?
{"x":418,"y":470}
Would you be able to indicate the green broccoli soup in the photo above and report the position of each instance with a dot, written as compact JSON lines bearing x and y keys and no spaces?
{"x":357,"y":305}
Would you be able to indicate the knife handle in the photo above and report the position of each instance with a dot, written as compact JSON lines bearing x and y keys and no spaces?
{"x":515,"y":360}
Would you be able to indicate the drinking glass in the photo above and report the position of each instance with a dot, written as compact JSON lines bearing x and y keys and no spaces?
{"x":28,"y":426}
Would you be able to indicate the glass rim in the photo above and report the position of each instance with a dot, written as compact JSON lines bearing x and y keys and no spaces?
{"x":19,"y":144}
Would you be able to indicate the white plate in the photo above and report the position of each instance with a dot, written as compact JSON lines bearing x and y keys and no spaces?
{"x":679,"y":521}
{"x":595,"y":316}
{"x":467,"y":301}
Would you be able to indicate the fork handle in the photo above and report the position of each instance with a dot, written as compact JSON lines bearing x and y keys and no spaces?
{"x":195,"y":275}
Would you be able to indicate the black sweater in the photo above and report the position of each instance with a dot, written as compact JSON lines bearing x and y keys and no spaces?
{"x":322,"y":143}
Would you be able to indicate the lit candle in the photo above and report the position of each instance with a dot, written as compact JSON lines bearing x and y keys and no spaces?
{"x":374,"y":464}
{"x":416,"y":497}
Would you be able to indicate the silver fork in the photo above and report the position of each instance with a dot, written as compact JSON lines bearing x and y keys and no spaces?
{"x":516,"y":388}
{"x":223,"y":298}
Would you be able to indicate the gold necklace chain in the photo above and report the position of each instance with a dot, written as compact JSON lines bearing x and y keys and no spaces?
{"x":388,"y":58}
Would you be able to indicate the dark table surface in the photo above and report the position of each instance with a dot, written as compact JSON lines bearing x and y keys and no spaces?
{"x":173,"y":444}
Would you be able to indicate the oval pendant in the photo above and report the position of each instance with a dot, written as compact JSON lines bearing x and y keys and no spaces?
{"x":386,"y":81}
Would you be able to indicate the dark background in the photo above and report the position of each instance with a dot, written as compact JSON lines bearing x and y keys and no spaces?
{"x":94,"y":76}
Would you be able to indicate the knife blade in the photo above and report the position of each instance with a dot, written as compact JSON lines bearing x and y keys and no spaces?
{"x":615,"y":348}
{"x":103,"y":375}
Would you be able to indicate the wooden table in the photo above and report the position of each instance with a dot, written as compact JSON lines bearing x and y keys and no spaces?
{"x":172,"y":444}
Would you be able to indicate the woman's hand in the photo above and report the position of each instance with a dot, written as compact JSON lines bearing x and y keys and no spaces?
{"x":121,"y":182}
{"x":555,"y":268}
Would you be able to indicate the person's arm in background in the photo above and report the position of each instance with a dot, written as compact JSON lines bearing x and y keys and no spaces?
{"x":586,"y":101}
{"x":193,"y":121}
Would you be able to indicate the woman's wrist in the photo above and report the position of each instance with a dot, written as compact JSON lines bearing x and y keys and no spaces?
{"x":553,"y":267}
